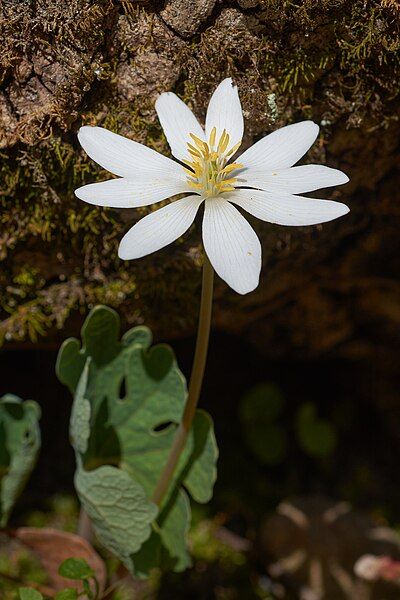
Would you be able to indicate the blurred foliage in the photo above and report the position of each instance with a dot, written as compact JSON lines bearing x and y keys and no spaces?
{"x":209,"y":548}
{"x":220,"y":561}
{"x":221,"y":567}
{"x":18,"y":567}
{"x":67,"y":594}
{"x":260,"y":410}
{"x":316,"y":436}
{"x":19,"y":448}
{"x":76,"y":569}
{"x":59,"y":511}
{"x":29,"y":594}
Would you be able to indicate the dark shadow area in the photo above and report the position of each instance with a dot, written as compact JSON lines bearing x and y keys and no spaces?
{"x":353,"y":397}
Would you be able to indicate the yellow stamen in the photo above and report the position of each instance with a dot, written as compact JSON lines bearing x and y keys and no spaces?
{"x":189,"y":172}
{"x":223,"y":142}
{"x":212,"y":136}
{"x":194,"y":168}
{"x":231,"y":167}
{"x":229,"y":181}
{"x":191,"y":164}
{"x":207,"y":170}
{"x":206,"y":151}
{"x":199,"y":143}
{"x":193,"y":151}
{"x":233,"y":149}
{"x":195,"y":185}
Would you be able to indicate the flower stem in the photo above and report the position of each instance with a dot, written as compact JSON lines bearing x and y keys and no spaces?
{"x":84,"y":529}
{"x":196,"y":380}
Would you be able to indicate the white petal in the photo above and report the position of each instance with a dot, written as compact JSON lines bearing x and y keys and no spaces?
{"x":285,"y":209}
{"x":281,"y":148}
{"x":125,"y":193}
{"x":231,"y":245}
{"x":124,"y":157}
{"x":159,"y":228}
{"x":177,"y":121}
{"x":225,"y":112}
{"x":295,"y":180}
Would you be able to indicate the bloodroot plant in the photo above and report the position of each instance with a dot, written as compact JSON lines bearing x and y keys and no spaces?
{"x":141,"y":444}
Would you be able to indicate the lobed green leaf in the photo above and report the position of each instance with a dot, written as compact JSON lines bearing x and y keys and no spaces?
{"x":128,"y":402}
{"x":118,"y":508}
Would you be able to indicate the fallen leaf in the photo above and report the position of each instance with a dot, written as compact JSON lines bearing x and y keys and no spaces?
{"x":53,"y":547}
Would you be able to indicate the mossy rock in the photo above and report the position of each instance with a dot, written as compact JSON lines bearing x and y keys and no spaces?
{"x":104,"y":62}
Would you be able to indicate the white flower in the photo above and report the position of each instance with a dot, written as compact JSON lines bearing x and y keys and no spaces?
{"x":262,"y":181}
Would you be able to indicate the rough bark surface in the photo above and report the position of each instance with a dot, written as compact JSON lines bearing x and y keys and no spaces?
{"x":326,"y":289}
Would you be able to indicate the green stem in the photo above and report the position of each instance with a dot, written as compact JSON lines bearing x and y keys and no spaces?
{"x":196,"y":380}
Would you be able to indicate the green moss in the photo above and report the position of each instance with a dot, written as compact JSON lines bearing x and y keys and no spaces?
{"x":18,"y":566}
{"x":206,"y":546}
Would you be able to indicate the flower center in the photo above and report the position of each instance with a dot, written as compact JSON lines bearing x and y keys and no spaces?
{"x":207,"y":172}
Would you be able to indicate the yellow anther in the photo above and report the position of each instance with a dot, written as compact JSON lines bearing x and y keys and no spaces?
{"x":228,"y":181}
{"x":191,"y":164}
{"x":223,"y":142}
{"x":194,"y":169}
{"x":233,"y":149}
{"x":199,"y":143}
{"x":231,"y":167}
{"x":212,"y":136}
{"x":206,"y":151}
{"x":195,"y":185}
{"x":193,"y":151}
